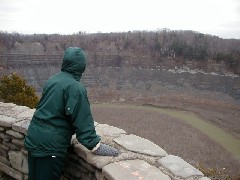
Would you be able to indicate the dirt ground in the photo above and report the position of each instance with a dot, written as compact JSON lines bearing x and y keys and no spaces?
{"x":177,"y":137}
{"x":220,"y":110}
{"x":223,"y":114}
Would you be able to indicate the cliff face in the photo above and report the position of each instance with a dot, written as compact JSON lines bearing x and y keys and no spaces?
{"x":141,"y":77}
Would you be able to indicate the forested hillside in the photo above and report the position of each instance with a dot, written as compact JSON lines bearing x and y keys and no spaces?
{"x":155,"y":48}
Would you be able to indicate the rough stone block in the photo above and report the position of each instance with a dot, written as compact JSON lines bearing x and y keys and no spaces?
{"x":1,"y":174}
{"x":179,"y":167}
{"x":73,"y":171}
{"x":4,"y":160}
{"x":18,"y":142}
{"x":88,"y":176}
{"x":15,"y":134}
{"x":7,"y":121}
{"x":66,"y":176}
{"x":99,"y":175}
{"x":18,"y":161}
{"x":21,"y":126}
{"x":3,"y":153}
{"x":11,"y":146}
{"x":140,"y":145}
{"x":10,"y":171}
{"x":25,"y":177}
{"x":133,"y":169}
{"x":24,"y":151}
{"x":86,"y":165}
{"x":5,"y":137}
{"x":4,"y":147}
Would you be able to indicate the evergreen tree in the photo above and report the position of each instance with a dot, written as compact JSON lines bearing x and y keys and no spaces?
{"x":13,"y":88}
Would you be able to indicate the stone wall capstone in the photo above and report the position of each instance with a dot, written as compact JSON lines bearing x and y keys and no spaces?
{"x":140,"y":159}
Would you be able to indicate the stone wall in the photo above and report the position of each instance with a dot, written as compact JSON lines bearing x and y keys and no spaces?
{"x":139,"y":159}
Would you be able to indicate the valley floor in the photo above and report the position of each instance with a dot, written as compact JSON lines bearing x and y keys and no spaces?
{"x":178,"y":137}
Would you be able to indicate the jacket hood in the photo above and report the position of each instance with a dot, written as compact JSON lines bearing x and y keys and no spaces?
{"x":74,"y":62}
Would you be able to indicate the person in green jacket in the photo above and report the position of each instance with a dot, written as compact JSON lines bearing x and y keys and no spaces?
{"x":62,"y":111}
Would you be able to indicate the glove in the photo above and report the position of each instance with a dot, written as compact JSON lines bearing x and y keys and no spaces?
{"x":106,"y":150}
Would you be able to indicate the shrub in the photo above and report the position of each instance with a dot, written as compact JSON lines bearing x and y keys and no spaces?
{"x":216,"y":173}
{"x":13,"y":88}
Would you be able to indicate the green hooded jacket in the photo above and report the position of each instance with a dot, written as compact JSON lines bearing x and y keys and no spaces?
{"x":63,"y":110}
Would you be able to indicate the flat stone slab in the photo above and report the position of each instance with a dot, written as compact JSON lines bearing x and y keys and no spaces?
{"x":204,"y":178}
{"x":133,"y":170}
{"x":21,"y":126}
{"x":179,"y":167}
{"x":15,"y":134}
{"x":28,"y":114}
{"x":140,"y":145}
{"x":2,"y":104}
{"x":7,"y":121}
{"x":106,"y":130}
{"x":14,"y":110}
{"x":5,"y":106}
{"x":88,"y":156}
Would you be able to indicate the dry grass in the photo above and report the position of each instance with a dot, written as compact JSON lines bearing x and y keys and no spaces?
{"x":216,"y":173}
{"x":173,"y":135}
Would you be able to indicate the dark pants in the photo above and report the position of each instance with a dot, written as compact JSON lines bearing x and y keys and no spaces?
{"x":45,"y":168}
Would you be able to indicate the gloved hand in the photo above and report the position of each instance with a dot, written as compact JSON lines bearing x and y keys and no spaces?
{"x":106,"y":150}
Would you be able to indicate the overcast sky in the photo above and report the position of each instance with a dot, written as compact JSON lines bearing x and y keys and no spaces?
{"x":216,"y":17}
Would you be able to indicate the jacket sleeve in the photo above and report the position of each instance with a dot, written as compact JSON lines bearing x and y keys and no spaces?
{"x":78,"y":109}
